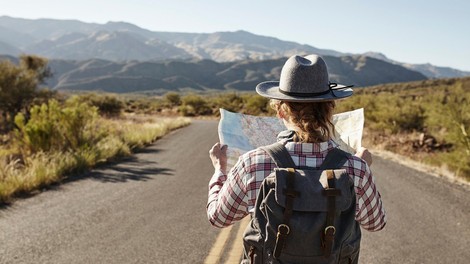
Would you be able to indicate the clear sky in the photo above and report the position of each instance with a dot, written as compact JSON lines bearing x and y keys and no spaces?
{"x":413,"y":31}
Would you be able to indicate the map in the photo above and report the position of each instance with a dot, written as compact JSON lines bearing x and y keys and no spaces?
{"x":242,"y":133}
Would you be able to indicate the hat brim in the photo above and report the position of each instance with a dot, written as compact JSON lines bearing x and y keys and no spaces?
{"x":271,"y":90}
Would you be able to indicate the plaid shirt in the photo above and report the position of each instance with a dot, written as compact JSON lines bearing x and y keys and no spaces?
{"x":233,"y":196}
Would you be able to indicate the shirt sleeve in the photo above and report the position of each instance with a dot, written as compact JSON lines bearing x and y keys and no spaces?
{"x":227,"y":200}
{"x":369,"y":210}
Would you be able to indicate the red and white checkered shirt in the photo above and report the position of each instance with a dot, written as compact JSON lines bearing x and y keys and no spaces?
{"x":233,"y":196}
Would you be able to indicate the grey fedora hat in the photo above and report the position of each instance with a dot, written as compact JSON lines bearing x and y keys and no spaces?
{"x":304,"y":79}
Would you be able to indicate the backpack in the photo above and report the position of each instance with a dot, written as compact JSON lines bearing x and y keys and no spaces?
{"x":304,"y":215}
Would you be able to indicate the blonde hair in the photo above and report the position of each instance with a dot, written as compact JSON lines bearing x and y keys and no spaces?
{"x":313,"y":119}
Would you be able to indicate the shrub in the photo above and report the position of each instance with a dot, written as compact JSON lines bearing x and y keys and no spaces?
{"x":53,"y":128}
{"x":231,"y":102}
{"x":33,"y":170}
{"x":172,"y":99}
{"x":256,"y":105}
{"x":19,"y":85}
{"x":107,"y":105}
{"x":408,"y":118}
{"x":193,"y":105}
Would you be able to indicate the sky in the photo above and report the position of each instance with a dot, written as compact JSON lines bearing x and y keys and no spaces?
{"x":411,"y":31}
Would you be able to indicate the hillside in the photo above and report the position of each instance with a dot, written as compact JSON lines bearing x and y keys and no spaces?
{"x":427,"y":69}
{"x":207,"y":75}
{"x":428,"y":121}
{"x":121,"y":41}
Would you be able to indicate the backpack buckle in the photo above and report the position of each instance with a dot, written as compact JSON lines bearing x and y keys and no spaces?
{"x":283,"y":229}
{"x":327,"y":240}
{"x":330,"y":228}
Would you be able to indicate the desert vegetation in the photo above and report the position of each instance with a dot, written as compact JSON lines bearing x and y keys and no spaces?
{"x":428,"y":121}
{"x":46,"y":136}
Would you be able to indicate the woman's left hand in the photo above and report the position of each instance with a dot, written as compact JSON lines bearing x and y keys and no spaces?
{"x":364,"y":154}
{"x":218,"y":156}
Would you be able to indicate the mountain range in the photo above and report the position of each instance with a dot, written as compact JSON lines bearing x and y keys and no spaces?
{"x":91,"y":55}
{"x":159,"y":77}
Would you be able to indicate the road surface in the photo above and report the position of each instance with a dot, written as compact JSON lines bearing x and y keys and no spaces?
{"x":150,"y":208}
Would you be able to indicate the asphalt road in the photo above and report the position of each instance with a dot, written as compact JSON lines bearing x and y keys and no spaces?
{"x":150,"y":208}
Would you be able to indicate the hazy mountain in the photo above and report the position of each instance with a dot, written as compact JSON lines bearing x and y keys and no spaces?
{"x":366,"y":71}
{"x":427,"y":69}
{"x":219,"y":46}
{"x":8,"y":49}
{"x":40,"y":29}
{"x":239,"y":45}
{"x":13,"y":37}
{"x":208,"y":75}
{"x":121,"y":41}
{"x":115,"y":45}
{"x":9,"y":58}
{"x":432,"y":71}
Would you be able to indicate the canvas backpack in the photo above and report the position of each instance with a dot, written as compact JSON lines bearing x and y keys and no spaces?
{"x":304,"y":215}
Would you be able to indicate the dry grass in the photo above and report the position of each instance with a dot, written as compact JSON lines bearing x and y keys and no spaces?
{"x":43,"y":168}
{"x":428,"y":121}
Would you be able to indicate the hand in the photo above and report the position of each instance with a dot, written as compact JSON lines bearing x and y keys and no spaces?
{"x":218,"y":156}
{"x":364,"y":154}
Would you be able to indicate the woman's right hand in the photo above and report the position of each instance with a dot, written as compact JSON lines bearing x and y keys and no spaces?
{"x":218,"y":156}
{"x":364,"y":154}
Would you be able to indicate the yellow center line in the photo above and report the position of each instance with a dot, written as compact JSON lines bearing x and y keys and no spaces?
{"x":236,"y":252}
{"x":218,"y":247}
{"x":221,"y":243}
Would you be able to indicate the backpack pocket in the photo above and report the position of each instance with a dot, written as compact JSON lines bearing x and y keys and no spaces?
{"x":253,"y":244}
{"x":350,"y":252}
{"x":310,"y":184}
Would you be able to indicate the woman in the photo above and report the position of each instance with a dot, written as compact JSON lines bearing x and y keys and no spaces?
{"x":304,"y":100}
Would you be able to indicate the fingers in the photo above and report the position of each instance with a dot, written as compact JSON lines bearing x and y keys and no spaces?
{"x":218,"y":148}
{"x":223,"y":148}
{"x":362,"y":149}
{"x":214,"y":148}
{"x":218,"y":151}
{"x":364,"y":154}
{"x":218,"y":156}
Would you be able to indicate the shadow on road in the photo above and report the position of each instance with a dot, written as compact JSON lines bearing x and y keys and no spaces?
{"x":128,"y":172}
{"x":140,"y":166}
{"x":137,"y":167}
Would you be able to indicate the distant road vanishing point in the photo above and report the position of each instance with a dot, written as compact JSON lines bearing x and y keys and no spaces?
{"x":150,"y":208}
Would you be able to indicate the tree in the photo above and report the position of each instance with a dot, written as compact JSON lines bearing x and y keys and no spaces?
{"x":194,"y":105}
{"x":19,"y":85}
{"x":108,"y":105}
{"x":173,"y":99}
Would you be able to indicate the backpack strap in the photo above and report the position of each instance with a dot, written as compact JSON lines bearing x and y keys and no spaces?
{"x":280,"y":155}
{"x":282,"y":158}
{"x":333,"y":160}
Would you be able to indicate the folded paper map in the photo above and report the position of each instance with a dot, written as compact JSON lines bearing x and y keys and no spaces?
{"x":243,"y":133}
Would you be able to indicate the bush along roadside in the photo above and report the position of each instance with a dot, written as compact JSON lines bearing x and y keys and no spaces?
{"x":428,"y":121}
{"x":56,"y":140}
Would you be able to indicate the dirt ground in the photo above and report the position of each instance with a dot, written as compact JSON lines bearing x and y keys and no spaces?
{"x":410,"y":150}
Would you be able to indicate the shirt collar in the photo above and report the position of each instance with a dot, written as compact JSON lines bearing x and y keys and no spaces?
{"x":287,"y":136}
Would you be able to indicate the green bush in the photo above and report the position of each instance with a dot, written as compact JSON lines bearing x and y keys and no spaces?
{"x":402,"y":116}
{"x":107,"y":105}
{"x":24,"y":171}
{"x":19,"y":85}
{"x":256,"y":105}
{"x":437,"y":108}
{"x":172,"y":99}
{"x":194,"y":105}
{"x":230,"y":101}
{"x":51,"y":127}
